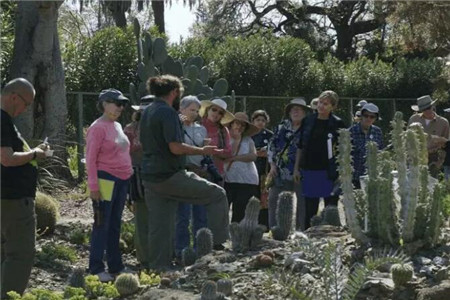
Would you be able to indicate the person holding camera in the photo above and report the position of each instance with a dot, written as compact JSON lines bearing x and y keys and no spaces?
{"x":281,"y":156}
{"x":215,"y":115}
{"x":166,"y":181}
{"x":241,"y":175}
{"x":194,"y":135}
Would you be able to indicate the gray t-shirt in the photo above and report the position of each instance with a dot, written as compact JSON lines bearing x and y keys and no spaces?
{"x":160,"y":125}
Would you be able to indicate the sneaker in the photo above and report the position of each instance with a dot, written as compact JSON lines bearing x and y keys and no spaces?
{"x":104,"y":277}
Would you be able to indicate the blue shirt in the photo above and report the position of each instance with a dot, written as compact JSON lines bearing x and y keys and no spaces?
{"x":262,"y":140}
{"x":359,"y":143}
{"x":284,"y":134}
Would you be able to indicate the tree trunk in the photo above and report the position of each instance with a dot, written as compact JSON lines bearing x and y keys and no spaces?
{"x":345,"y":49}
{"x":158,"y":14}
{"x":37,"y":57}
{"x":118,"y":9}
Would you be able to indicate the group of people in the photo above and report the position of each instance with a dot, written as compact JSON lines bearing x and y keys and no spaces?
{"x":190,"y":165}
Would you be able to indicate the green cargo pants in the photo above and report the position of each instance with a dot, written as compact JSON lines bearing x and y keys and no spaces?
{"x":18,"y":241}
{"x":141,"y":235}
{"x":162,"y":199}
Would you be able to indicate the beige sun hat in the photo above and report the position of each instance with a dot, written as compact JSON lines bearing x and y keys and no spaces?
{"x":205,"y":104}
{"x":296,"y":102}
{"x":242,"y":117}
{"x":423,"y":103}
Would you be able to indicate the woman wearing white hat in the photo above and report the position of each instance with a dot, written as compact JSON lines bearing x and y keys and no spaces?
{"x":215,"y":115}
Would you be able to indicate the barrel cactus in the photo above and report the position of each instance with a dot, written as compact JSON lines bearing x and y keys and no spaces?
{"x":47,"y":213}
{"x":225,"y":286}
{"x":284,"y":216}
{"x":331,"y":216}
{"x":127,"y":284}
{"x":204,"y":239}
{"x":188,"y":256}
{"x":77,"y":278}
{"x":209,"y":290}
{"x":401,"y":274}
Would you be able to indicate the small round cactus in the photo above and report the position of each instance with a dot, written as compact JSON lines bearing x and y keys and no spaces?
{"x":225,"y":286}
{"x":204,"y":242}
{"x":47,"y":213}
{"x":188,"y":256}
{"x":331,"y":216}
{"x":127,"y":284}
{"x":316,"y":220}
{"x":77,"y":278}
{"x":401,"y":274}
{"x":209,"y":290}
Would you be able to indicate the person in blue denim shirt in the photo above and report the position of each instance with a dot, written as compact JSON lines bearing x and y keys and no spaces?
{"x":363,"y":133}
{"x":281,"y":156}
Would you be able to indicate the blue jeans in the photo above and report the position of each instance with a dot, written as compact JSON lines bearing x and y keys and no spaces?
{"x":106,"y":229}
{"x":182,"y":234}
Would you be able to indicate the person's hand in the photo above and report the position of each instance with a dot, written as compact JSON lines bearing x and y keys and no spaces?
{"x":297,"y":176}
{"x":95,"y":195}
{"x":273,"y":171}
{"x":261,"y":152}
{"x":43,"y":146}
{"x":40,"y":154}
{"x":211,"y":150}
{"x":183,"y":118}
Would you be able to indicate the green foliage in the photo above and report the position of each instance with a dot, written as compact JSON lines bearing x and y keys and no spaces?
{"x":149,"y":279}
{"x":127,"y":233}
{"x":7,"y":15}
{"x":78,"y":236}
{"x":47,"y":213}
{"x":51,"y":253}
{"x":72,"y":159}
{"x":74,"y":293}
{"x":95,"y":288}
{"x":77,"y":278}
{"x":37,"y":294}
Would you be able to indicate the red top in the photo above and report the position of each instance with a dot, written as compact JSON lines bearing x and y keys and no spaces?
{"x":213,"y":130}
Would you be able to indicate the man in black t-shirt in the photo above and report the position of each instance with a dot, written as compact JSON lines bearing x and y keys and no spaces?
{"x":18,"y":188}
{"x":166,"y":181}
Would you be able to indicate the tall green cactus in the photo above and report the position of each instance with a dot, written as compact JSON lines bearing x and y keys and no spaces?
{"x":204,"y":239}
{"x":345,"y":176}
{"x":372,"y":188}
{"x":284,"y":215}
{"x":400,"y":157}
{"x":433,"y":228}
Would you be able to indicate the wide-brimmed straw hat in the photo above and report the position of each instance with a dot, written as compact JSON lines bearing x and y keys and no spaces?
{"x":145,"y":101}
{"x":227,"y":117}
{"x":423,"y":103}
{"x":250,"y":128}
{"x":296,"y":102}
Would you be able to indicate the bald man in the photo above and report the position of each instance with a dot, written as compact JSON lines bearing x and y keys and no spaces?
{"x":18,"y":188}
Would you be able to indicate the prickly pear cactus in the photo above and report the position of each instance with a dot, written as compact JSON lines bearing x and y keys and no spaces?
{"x":188,"y":256}
{"x":248,"y":233}
{"x":225,"y":286}
{"x":401,"y":274}
{"x":126,"y":284}
{"x":331,"y":216}
{"x":77,"y":278}
{"x":204,"y":239}
{"x":284,"y":215}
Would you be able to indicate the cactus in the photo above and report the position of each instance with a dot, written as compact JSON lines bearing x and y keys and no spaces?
{"x":127,"y":284}
{"x":47,"y":213}
{"x":401,"y":274}
{"x":204,"y":239}
{"x":188,"y":256}
{"x":77,"y":278}
{"x":433,"y":228}
{"x":316,"y":220}
{"x":331,"y":216}
{"x":284,"y":211}
{"x":247,"y":234}
{"x":209,"y":290}
{"x":225,"y":286}
{"x":400,"y":158}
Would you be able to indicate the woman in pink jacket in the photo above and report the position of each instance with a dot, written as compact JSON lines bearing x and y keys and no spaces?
{"x":109,"y":168}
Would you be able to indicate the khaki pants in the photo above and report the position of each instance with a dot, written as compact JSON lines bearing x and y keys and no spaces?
{"x":18,"y":241}
{"x":162,"y":200}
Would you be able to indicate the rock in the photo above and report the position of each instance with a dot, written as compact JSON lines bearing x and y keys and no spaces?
{"x":440,"y":261}
{"x":168,"y":294}
{"x":441,"y":274}
{"x":301,"y":265}
{"x":439,"y":292}
{"x":426,"y":271}
{"x":423,"y":260}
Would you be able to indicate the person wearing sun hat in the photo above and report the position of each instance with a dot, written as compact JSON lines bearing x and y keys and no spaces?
{"x":362,"y":133}
{"x":241,"y":175}
{"x":281,"y":157}
{"x":108,"y":163}
{"x":215,"y":116}
{"x":435,"y":126}
{"x":136,"y":191}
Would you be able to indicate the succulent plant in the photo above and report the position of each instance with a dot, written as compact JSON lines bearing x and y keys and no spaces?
{"x":225,"y":286}
{"x":77,"y":278}
{"x":331,"y":216}
{"x":209,"y":290}
{"x":188,"y":256}
{"x":284,"y":214}
{"x":204,"y":238}
{"x":47,"y":213}
{"x":316,"y":220}
{"x":127,"y":284}
{"x":401,"y":274}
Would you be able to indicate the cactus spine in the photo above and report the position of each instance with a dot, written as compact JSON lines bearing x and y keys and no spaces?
{"x":127,"y":284}
{"x":77,"y":278}
{"x":345,"y":175}
{"x":225,"y":286}
{"x":434,"y":223}
{"x":204,"y":239}
{"x":247,"y":234}
{"x":188,"y":256}
{"x":284,"y":216}
{"x":401,"y":274}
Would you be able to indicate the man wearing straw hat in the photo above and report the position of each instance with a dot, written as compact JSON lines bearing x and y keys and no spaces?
{"x":436,"y":127}
{"x":166,"y":182}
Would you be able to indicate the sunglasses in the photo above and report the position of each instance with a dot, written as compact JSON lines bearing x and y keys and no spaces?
{"x":23,"y":99}
{"x":117,"y":103}
{"x":369,"y":116}
{"x":221,"y":112}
